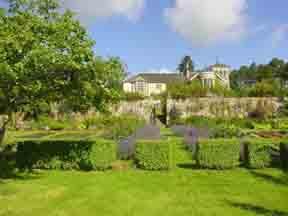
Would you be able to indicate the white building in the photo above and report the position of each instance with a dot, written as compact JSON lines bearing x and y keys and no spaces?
{"x":152,"y":84}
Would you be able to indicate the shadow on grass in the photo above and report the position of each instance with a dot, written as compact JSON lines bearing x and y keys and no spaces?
{"x":258,"y":209}
{"x":282,"y":180}
{"x":33,"y":175}
{"x":188,"y":166}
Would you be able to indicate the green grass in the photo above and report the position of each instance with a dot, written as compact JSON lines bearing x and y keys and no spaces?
{"x":183,"y":191}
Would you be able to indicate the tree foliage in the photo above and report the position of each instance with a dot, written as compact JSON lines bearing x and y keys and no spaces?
{"x":186,"y":65}
{"x":275,"y":69}
{"x":47,"y":56}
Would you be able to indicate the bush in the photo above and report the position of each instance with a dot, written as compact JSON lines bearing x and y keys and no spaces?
{"x":182,"y":90}
{"x":284,"y":155}
{"x":259,"y":152}
{"x":266,"y":88}
{"x":259,"y":156}
{"x":218,"y":153}
{"x":50,"y":123}
{"x":103,"y":154}
{"x":225,"y":131}
{"x":154,"y":154}
{"x":131,"y":96}
{"x":115,"y":127}
{"x":67,"y":155}
{"x":7,"y":167}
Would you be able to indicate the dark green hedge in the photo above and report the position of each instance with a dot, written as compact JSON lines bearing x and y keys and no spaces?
{"x":154,"y":154}
{"x":218,"y":153}
{"x":284,"y":155}
{"x":259,"y":152}
{"x":66,"y":155}
{"x":259,"y":156}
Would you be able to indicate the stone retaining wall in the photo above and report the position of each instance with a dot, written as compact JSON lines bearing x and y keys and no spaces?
{"x":206,"y":106}
{"x":141,"y":108}
{"x":222,"y":107}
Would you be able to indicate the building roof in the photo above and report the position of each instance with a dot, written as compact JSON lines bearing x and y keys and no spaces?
{"x":158,"y":77}
{"x":220,"y":65}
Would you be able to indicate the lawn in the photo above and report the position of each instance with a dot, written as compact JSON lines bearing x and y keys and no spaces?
{"x":179,"y":192}
{"x":185,"y":190}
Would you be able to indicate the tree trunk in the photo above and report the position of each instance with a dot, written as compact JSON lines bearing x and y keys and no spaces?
{"x":3,"y":129}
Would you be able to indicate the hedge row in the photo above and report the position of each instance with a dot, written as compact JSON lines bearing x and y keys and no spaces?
{"x":67,"y":155}
{"x":155,"y":154}
{"x":257,"y":153}
{"x":284,"y":155}
{"x":149,"y":155}
{"x":218,"y":154}
{"x":229,"y":153}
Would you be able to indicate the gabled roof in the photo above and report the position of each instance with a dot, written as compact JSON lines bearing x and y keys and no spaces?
{"x":220,"y":65}
{"x":158,"y":77}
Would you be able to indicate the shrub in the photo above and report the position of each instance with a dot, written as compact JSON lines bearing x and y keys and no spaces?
{"x":284,"y":155}
{"x":265,"y":88}
{"x":182,"y":90}
{"x":174,"y":116}
{"x":218,"y":153}
{"x":102,"y":155}
{"x":154,"y":154}
{"x":7,"y":167}
{"x":131,"y":96}
{"x":225,"y":131}
{"x":7,"y":161}
{"x":115,"y":127}
{"x":259,"y":156}
{"x":65,"y":154}
{"x":259,"y":152}
{"x":50,"y":123}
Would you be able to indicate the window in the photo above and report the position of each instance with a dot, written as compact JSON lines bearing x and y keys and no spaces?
{"x":140,"y":86}
{"x":159,"y":86}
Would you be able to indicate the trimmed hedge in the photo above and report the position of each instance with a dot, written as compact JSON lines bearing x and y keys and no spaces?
{"x":259,"y":156}
{"x":154,"y":154}
{"x":259,"y":153}
{"x":65,"y":154}
{"x":284,"y":155}
{"x":218,"y":153}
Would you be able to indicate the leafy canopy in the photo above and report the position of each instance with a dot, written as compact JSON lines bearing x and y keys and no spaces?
{"x":186,"y":66}
{"x":46,"y":55}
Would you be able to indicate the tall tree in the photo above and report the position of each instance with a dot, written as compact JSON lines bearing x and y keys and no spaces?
{"x":186,"y":66}
{"x":265,"y":72}
{"x":284,"y":74}
{"x":46,"y":55}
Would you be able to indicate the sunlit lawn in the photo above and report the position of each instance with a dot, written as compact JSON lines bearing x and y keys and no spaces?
{"x":179,"y":192}
{"x":182,"y":191}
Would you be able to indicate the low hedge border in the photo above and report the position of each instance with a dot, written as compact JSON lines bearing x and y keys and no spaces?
{"x":258,"y":152}
{"x":218,"y":153}
{"x":284,"y":155}
{"x":155,"y":154}
{"x":66,"y":154}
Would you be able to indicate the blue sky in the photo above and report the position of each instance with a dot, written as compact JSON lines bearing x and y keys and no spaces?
{"x":150,"y":42}
{"x":155,"y":34}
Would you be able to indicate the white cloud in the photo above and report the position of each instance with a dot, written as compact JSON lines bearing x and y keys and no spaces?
{"x":203,"y":22}
{"x":279,"y":34}
{"x":89,"y":10}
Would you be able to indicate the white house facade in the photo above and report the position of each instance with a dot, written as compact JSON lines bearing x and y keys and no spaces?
{"x":149,"y":84}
